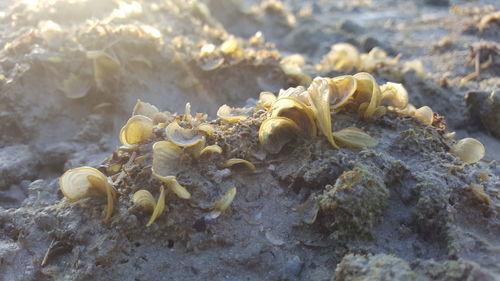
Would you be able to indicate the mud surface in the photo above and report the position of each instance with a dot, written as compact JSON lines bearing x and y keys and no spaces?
{"x":420,"y":219}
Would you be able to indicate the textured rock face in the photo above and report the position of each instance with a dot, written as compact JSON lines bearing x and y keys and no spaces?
{"x":404,"y":209}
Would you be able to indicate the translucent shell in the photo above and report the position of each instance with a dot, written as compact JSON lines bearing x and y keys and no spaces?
{"x":354,"y":138}
{"x":165,"y":158}
{"x":206,"y":128}
{"x":233,"y":115}
{"x":104,"y":66}
{"x":424,"y":115}
{"x":369,"y":95}
{"x":275,"y":132}
{"x":238,"y":161}
{"x":319,"y":98}
{"x":138,"y":129}
{"x":394,"y":93}
{"x":144,"y":199}
{"x":298,"y":112}
{"x":85,"y":182}
{"x":181,"y":136}
{"x":223,"y":203}
{"x":343,"y":56}
{"x":292,"y":67}
{"x":299,"y":93}
{"x":469,"y":150}
{"x":74,"y":87}
{"x":342,"y":88}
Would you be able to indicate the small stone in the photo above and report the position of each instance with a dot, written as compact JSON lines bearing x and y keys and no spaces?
{"x":350,"y":26}
{"x":17,"y":163}
{"x":293,"y":269}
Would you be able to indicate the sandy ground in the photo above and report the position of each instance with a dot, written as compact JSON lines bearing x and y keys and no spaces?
{"x":414,"y":216}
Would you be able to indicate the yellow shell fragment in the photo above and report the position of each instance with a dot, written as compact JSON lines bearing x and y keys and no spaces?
{"x":181,"y":136}
{"x":87,"y":181}
{"x":211,"y":149}
{"x":299,"y":93}
{"x":138,"y":129}
{"x":238,"y":161}
{"x":424,"y":115}
{"x":233,"y":115}
{"x":342,"y":88}
{"x":275,"y":132}
{"x":319,"y":98}
{"x":354,"y":138}
{"x":394,"y":93}
{"x":225,"y":201}
{"x":206,"y":128}
{"x":469,"y":150}
{"x":174,"y":185}
{"x":478,"y":190}
{"x":298,"y":112}
{"x":165,"y":158}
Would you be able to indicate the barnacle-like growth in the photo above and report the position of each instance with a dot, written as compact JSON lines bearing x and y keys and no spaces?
{"x":181,"y":136}
{"x":368,"y":95}
{"x":239,"y":162}
{"x":275,"y":132}
{"x":139,"y":128}
{"x":84,"y":182}
{"x":298,"y":112}
{"x":469,"y":150}
{"x":319,"y":98}
{"x":233,"y":115}
{"x":424,"y":115}
{"x":266,"y":100}
{"x":354,"y":138}
{"x":146,"y":200}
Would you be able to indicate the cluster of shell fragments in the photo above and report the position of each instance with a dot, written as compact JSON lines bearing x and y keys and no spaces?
{"x":293,"y":113}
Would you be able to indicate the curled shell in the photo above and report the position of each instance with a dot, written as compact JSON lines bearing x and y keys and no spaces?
{"x":137,"y":129}
{"x":343,"y":56}
{"x":223,"y":203}
{"x":394,"y":93}
{"x":292,"y":67}
{"x":233,"y":115}
{"x":275,"y":132}
{"x":319,"y":98}
{"x":211,"y":149}
{"x":144,"y":199}
{"x":424,"y":115}
{"x":298,"y":112}
{"x":368,"y":93}
{"x":354,"y":138}
{"x":342,"y":88}
{"x":469,"y":150}
{"x":174,"y":186}
{"x":237,"y":162}
{"x":181,"y":136}
{"x":150,"y":111}
{"x":165,"y":158}
{"x":87,"y":181}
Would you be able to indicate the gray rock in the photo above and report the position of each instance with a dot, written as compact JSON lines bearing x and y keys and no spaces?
{"x":17,"y":162}
{"x":484,"y":107}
